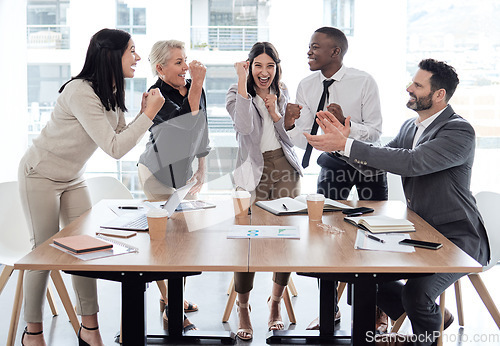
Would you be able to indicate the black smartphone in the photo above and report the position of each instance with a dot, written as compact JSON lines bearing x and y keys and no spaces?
{"x":420,"y":243}
{"x":357,"y":211}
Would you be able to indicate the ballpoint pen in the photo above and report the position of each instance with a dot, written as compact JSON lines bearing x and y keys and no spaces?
{"x":285,"y":207}
{"x":128,"y":207}
{"x":374,"y":238}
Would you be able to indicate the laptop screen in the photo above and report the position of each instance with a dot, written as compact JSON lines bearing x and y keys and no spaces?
{"x":177,"y":197}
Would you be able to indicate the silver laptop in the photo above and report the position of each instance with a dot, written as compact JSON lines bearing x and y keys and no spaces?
{"x":137,"y":221}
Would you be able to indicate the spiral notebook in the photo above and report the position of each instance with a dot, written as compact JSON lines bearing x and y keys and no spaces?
{"x":119,"y":248}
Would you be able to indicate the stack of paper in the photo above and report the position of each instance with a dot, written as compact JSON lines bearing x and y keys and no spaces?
{"x":391,"y":242}
{"x":381,"y":224}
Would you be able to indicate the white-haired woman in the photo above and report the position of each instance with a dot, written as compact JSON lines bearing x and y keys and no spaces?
{"x":179,"y":133}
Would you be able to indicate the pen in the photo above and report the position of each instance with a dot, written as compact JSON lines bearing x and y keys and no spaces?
{"x":285,"y":207}
{"x":375,"y":238}
{"x":128,"y":207}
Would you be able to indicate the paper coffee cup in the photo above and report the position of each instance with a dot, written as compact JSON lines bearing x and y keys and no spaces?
{"x":157,"y":223}
{"x":315,"y":203}
{"x":241,"y":202}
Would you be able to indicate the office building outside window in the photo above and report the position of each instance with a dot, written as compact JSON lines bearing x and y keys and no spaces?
{"x":340,"y":14}
{"x":44,"y":81}
{"x":47,"y":24}
{"x":228,"y":25}
{"x":130,"y":19}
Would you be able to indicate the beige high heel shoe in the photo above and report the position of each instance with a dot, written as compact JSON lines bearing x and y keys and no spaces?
{"x":244,"y":333}
{"x":275,"y":324}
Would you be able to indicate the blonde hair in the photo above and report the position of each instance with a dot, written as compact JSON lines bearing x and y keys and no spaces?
{"x":160,"y":52}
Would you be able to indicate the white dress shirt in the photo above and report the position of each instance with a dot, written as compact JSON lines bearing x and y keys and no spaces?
{"x":421,"y":126}
{"x":269,"y":139}
{"x":354,"y":90}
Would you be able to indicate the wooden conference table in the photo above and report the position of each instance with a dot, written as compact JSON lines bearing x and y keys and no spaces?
{"x":197,"y":241}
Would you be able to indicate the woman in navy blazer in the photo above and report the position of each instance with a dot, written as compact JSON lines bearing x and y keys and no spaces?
{"x":267,"y":165}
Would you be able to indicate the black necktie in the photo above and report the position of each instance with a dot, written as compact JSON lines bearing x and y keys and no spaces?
{"x":314,"y":130}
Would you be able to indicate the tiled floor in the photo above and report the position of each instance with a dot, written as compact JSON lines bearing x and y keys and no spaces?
{"x":209,"y":292}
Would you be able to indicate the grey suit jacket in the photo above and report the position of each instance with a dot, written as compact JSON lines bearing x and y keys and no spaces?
{"x":247,"y":122}
{"x":436,"y":177}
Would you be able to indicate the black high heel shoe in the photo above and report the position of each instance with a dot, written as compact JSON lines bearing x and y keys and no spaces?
{"x":80,"y":340}
{"x":29,"y":333}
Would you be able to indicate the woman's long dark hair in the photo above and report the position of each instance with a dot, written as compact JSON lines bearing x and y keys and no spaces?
{"x":103,"y":67}
{"x":258,"y":49}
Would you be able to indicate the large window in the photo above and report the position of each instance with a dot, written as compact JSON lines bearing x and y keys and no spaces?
{"x":473,"y":48}
{"x":340,"y":14}
{"x":130,"y":19}
{"x":44,"y":81}
{"x":133,"y":94}
{"x":217,"y":82}
{"x":387,"y":38}
{"x":47,"y":24}
{"x":231,"y":24}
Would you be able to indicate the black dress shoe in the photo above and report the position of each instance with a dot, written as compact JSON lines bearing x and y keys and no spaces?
{"x":29,"y":333}
{"x":80,"y":340}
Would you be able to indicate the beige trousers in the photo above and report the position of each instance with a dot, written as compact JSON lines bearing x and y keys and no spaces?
{"x":279,"y":179}
{"x":49,"y":205}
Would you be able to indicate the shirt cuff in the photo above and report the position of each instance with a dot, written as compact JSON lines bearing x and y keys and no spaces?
{"x":348,"y":145}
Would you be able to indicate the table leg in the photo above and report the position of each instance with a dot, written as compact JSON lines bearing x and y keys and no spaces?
{"x":133,"y":302}
{"x":175,"y":307}
{"x":327,"y":299}
{"x":364,"y":295}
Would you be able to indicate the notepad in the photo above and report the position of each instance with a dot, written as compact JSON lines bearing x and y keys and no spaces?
{"x":84,"y":243}
{"x":381,"y":224}
{"x":119,"y":248}
{"x":297,"y":205}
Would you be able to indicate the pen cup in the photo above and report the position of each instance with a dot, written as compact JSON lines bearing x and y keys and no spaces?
{"x":157,"y":223}
{"x":315,"y":203}
{"x":241,"y":202}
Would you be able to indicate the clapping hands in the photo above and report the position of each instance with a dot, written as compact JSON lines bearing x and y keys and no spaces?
{"x":334,"y":135}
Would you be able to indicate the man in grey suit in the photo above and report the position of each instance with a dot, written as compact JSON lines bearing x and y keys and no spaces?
{"x":433,"y":154}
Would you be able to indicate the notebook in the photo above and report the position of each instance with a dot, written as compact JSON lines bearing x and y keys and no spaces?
{"x":381,"y":224}
{"x":137,"y":221}
{"x":84,"y":243}
{"x":297,"y":205}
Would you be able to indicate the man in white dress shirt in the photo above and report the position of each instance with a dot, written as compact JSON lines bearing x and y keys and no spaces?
{"x":356,"y":94}
{"x":353,"y":91}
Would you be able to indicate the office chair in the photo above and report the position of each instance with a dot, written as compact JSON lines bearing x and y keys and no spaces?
{"x":105,"y":187}
{"x":487,"y":202}
{"x":15,"y":244}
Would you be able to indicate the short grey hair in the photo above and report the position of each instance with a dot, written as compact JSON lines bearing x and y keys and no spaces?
{"x":160,"y":52}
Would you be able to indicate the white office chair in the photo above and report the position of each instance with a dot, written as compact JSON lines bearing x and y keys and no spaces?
{"x":487,"y":203}
{"x":107,"y":188}
{"x":15,"y":244}
{"x":395,"y":187}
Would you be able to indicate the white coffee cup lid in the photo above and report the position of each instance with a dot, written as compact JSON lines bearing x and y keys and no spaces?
{"x":157,"y":213}
{"x":241,"y":194}
{"x":315,"y":197}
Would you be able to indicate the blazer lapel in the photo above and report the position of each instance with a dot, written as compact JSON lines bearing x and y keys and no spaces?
{"x":410,"y":134}
{"x":443,"y":117}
